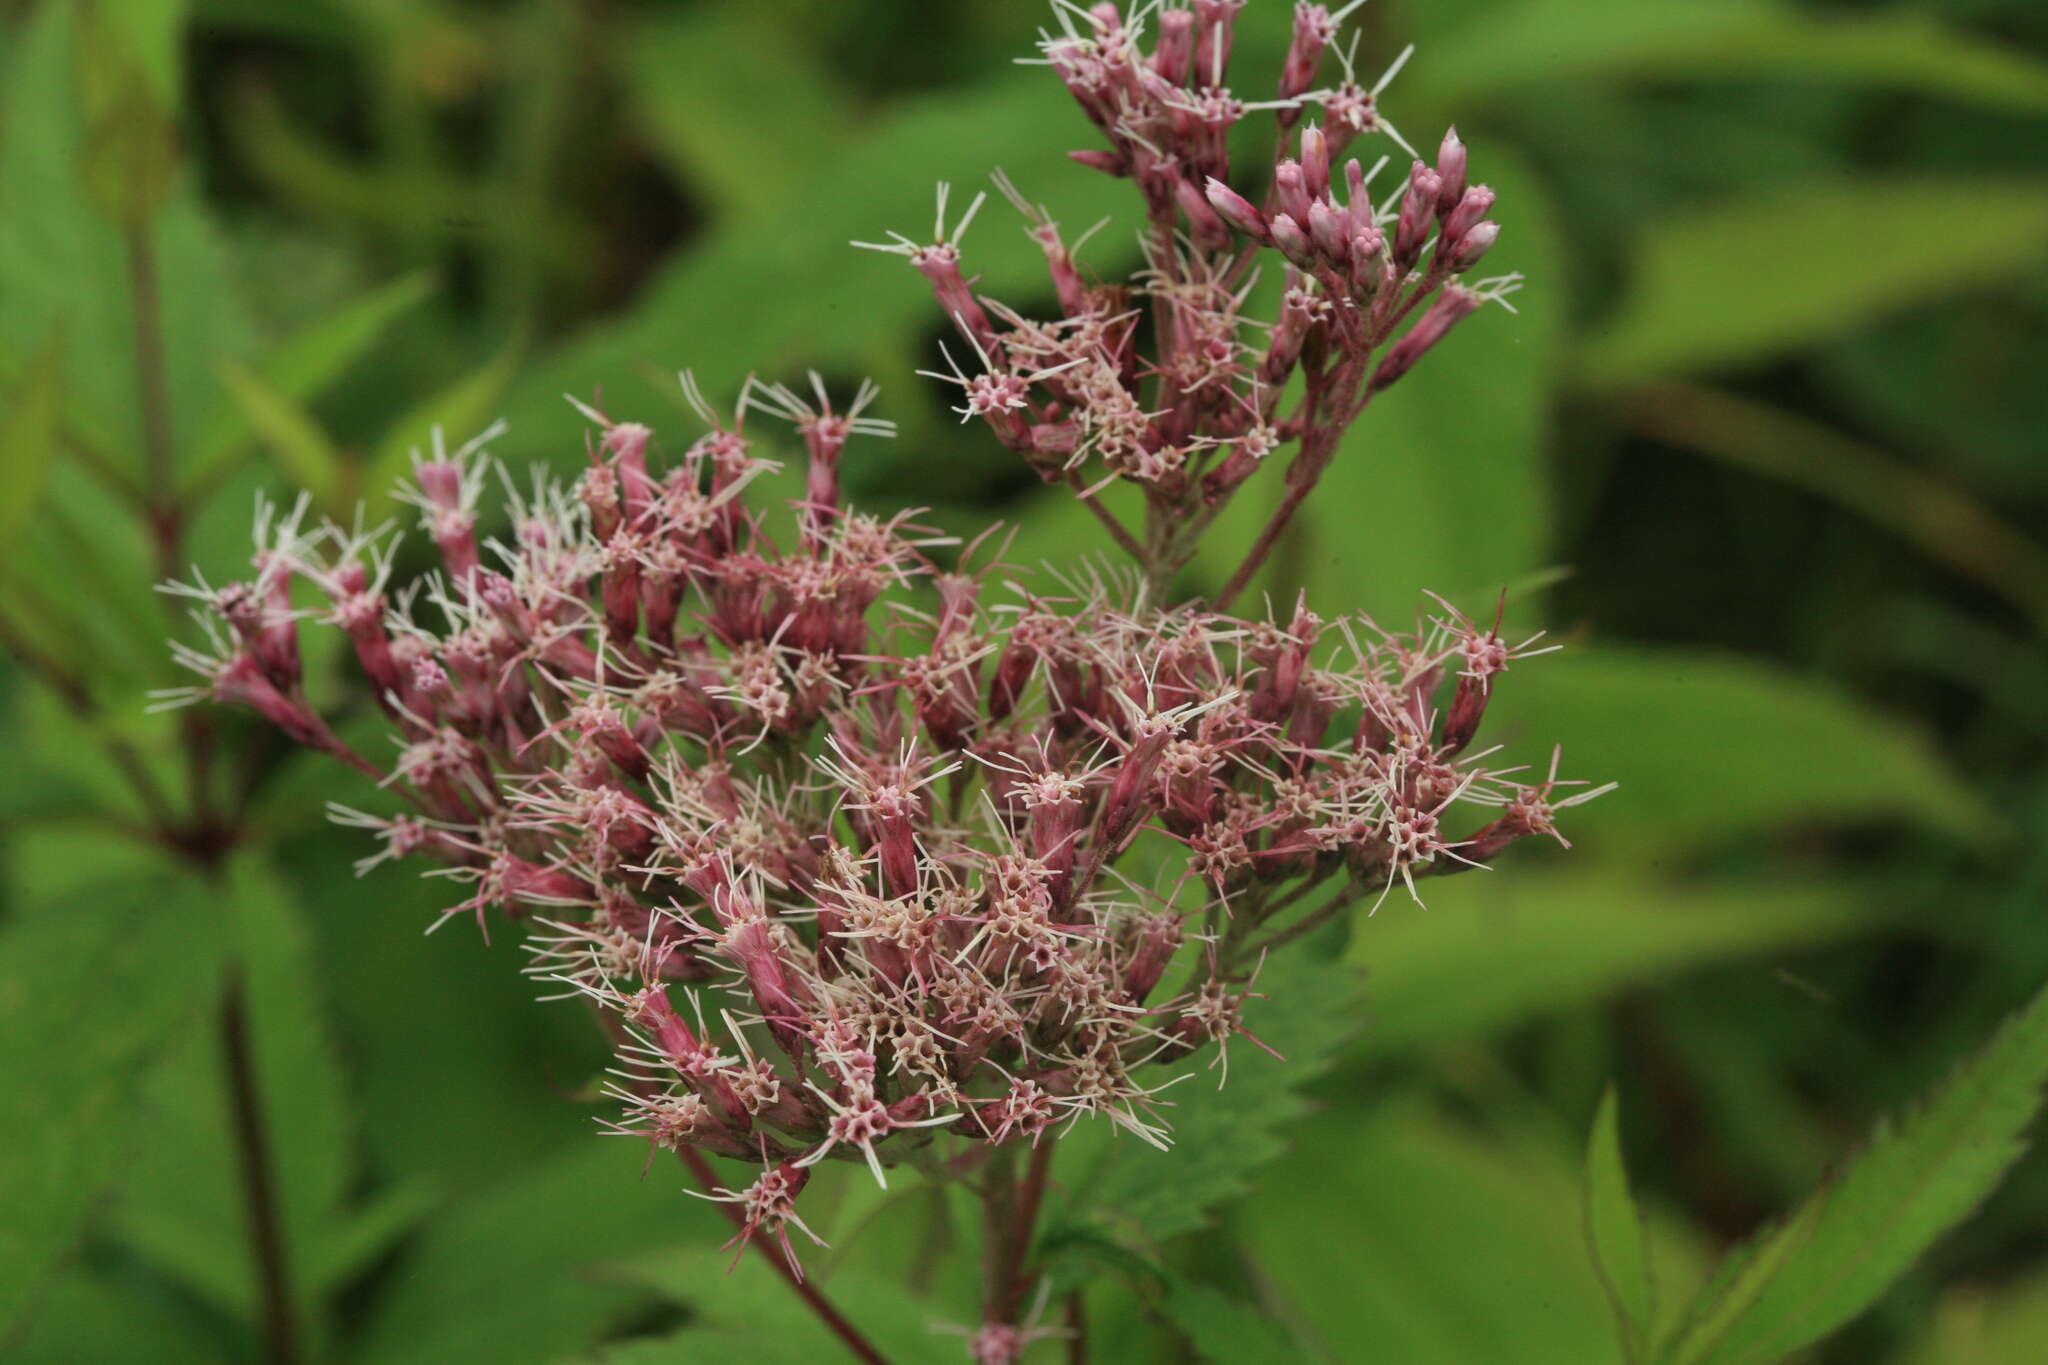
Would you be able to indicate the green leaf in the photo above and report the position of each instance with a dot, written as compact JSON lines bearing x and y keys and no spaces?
{"x":1395,"y":1234}
{"x":91,"y":990}
{"x":185,"y":1212}
{"x":28,"y":440}
{"x":1614,"y":1232}
{"x":1221,"y":1138}
{"x":707,"y":123}
{"x":544,"y":1231}
{"x":460,"y":410}
{"x":302,"y":366}
{"x":1765,"y":274}
{"x":304,"y":453}
{"x":1535,"y":45}
{"x":1912,"y":1183}
{"x":62,"y":264}
{"x":752,"y":1301}
{"x":706,"y":1346}
{"x":1223,"y":1329}
{"x":1743,"y":1278}
{"x":1710,"y":747}
{"x":1494,"y":948}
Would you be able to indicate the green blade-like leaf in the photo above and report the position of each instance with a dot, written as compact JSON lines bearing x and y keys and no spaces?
{"x":1493,"y":949}
{"x":1536,"y":45}
{"x":28,"y":440}
{"x":1711,"y":748}
{"x":303,"y":453}
{"x":1614,"y":1232}
{"x":303,"y":366}
{"x":1914,"y":1181}
{"x":1738,"y":1284}
{"x":1768,"y":273}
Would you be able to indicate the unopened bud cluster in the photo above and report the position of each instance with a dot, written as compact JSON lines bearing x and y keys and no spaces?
{"x":1166,"y":380}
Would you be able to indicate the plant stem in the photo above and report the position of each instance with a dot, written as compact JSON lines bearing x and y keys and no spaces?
{"x":833,"y":1319}
{"x":259,"y":1191}
{"x":1077,"y":1329}
{"x":1012,"y":1217}
{"x":1317,"y":448}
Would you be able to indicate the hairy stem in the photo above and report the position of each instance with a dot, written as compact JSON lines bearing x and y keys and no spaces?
{"x":259,"y":1189}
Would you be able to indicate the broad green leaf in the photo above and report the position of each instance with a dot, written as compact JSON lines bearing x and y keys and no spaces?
{"x":1710,"y":747}
{"x":87,"y":1315}
{"x":304,"y":453}
{"x":28,"y":441}
{"x":1533,"y":45}
{"x":544,"y":1233}
{"x":1494,"y":948}
{"x":1757,"y":276}
{"x":1447,"y":466}
{"x":1395,"y":1234}
{"x":1225,"y":1330}
{"x":1614,"y":1233}
{"x":1913,"y":1182}
{"x":185,"y":1213}
{"x":304,"y":365}
{"x":1222,"y":1137}
{"x":753,"y":1300}
{"x":90,"y":992}
{"x":705,"y":1346}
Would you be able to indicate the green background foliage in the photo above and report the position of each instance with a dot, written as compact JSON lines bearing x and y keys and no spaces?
{"x":1762,"y":447}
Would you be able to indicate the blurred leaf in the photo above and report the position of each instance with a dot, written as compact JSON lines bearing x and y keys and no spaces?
{"x":86,"y":1316}
{"x":125,"y":73}
{"x":1220,"y":1139}
{"x":63,"y":264}
{"x":1397,"y":1235}
{"x":506,"y":1273}
{"x":1751,"y":277}
{"x":1534,"y":45}
{"x":460,"y":411}
{"x":1864,"y":1228}
{"x":2003,"y":1326}
{"x":753,"y":1303}
{"x":87,"y":1000}
{"x":1225,"y":1330}
{"x":28,"y":441}
{"x":1941,"y":520}
{"x":1709,"y":747}
{"x":706,"y":1346}
{"x":1614,"y":1232}
{"x":303,"y":366}
{"x":695,"y":79}
{"x":1494,"y":948}
{"x":302,"y":451}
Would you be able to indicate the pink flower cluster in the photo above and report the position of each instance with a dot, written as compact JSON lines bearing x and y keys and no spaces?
{"x":1166,"y":380}
{"x":855,"y":837}
{"x":872,"y":817}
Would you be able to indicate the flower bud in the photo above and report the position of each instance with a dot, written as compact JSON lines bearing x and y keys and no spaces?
{"x":1450,"y":168}
{"x":1236,"y":210}
{"x":1315,"y":161}
{"x":1205,"y":224}
{"x":1292,"y":241}
{"x":1472,"y":206}
{"x":1469,"y":248}
{"x":1290,"y":190}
